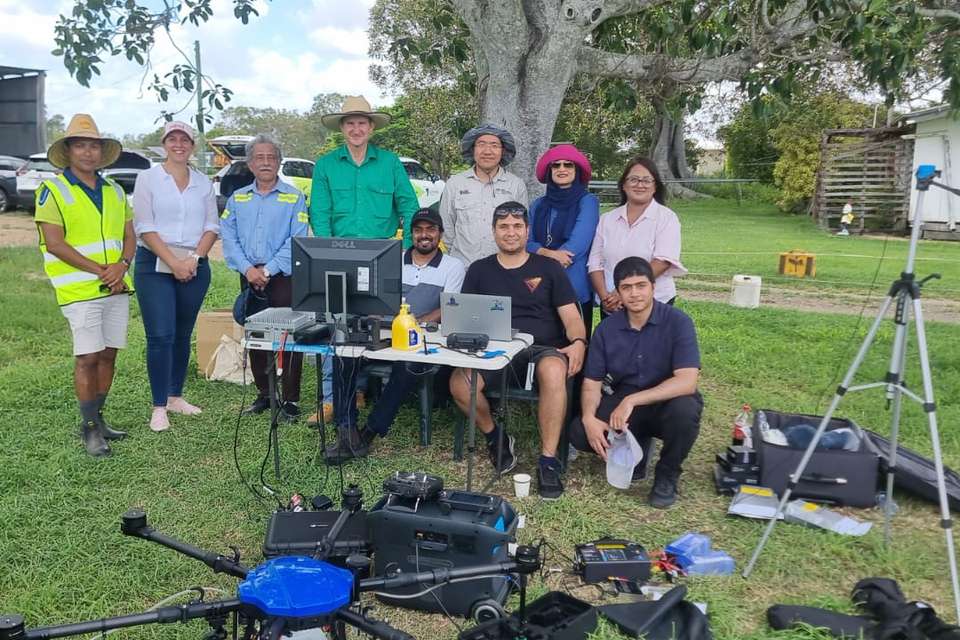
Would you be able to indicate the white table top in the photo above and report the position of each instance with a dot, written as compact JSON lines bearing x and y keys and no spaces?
{"x":436,"y":353}
{"x":441,"y":355}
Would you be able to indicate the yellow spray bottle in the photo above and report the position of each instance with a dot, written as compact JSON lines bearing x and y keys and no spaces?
{"x":406,"y":333}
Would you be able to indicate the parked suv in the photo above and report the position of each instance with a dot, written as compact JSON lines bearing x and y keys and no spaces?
{"x":8,"y":181}
{"x":427,"y":186}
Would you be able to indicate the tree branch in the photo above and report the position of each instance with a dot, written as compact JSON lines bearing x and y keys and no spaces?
{"x":939,"y":14}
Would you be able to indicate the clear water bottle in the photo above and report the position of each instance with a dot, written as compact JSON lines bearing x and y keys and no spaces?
{"x":741,"y":427}
{"x":763,"y":425}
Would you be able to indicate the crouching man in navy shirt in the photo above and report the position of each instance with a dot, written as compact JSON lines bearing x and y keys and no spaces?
{"x":641,"y":374}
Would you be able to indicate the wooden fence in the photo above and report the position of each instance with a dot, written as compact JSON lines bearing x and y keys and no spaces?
{"x":872,"y":169}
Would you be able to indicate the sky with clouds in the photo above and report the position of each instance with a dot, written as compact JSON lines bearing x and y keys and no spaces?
{"x":293,"y":51}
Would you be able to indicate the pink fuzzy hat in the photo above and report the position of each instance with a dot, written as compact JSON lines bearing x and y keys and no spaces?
{"x":564,"y":152}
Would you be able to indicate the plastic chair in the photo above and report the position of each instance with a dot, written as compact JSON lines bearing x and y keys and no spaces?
{"x":381,"y":371}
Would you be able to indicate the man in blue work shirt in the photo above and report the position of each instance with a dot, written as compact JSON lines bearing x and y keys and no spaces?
{"x":257,"y":224}
{"x":641,"y":374}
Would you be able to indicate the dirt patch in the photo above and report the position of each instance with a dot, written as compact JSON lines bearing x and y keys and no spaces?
{"x":17,"y":229}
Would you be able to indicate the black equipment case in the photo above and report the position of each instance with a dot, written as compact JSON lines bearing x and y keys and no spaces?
{"x":832,"y":475}
{"x":456,"y":529}
{"x":297,"y":533}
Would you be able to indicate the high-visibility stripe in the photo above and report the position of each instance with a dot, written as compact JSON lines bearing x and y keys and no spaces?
{"x":88,"y":249}
{"x":64,"y":190}
{"x":72,"y":278}
{"x":290,"y":198}
{"x":243,"y":197}
{"x":303,"y":217}
{"x":225,"y":214}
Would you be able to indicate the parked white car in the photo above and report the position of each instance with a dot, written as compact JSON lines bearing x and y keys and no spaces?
{"x":427,"y":186}
{"x":30,"y":175}
{"x":295,"y":171}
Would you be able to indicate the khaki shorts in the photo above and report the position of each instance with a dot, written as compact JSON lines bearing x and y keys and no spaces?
{"x":98,"y":324}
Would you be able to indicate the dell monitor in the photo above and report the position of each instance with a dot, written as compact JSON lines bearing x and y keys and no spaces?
{"x":347,"y":276}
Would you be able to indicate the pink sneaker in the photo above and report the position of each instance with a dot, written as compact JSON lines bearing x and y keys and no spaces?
{"x":179,"y":405}
{"x":159,"y":421}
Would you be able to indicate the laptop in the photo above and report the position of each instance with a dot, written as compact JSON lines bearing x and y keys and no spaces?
{"x":474,"y":313}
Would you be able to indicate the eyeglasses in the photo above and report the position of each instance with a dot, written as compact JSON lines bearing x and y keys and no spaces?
{"x":483,"y":144}
{"x":265,"y":158}
{"x":634,"y":181}
{"x":562,"y":164}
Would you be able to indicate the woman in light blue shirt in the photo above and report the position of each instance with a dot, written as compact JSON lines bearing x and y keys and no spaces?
{"x":564,"y":221}
{"x":175,"y":217}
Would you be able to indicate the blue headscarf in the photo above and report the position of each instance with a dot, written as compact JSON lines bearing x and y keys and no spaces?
{"x":566,"y":203}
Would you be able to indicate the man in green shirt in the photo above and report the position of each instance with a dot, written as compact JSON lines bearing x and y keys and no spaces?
{"x":360,"y":190}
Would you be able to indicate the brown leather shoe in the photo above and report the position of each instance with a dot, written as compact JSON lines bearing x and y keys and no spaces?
{"x":314,"y":420}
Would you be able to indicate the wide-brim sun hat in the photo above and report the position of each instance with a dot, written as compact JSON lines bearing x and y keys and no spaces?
{"x":355,"y":106}
{"x":564,"y":152}
{"x":506,"y":139}
{"x":82,"y":126}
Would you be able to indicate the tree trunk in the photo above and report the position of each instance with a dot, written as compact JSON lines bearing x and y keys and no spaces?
{"x":525,"y":59}
{"x":669,"y":151}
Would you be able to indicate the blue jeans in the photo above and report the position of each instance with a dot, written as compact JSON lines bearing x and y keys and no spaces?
{"x":169,"y":309}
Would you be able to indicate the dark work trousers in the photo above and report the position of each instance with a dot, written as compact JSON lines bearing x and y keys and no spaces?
{"x":676,"y":422}
{"x":345,"y":372}
{"x":169,"y":310}
{"x":405,"y":377}
{"x":586,"y":312}
{"x":279,"y":294}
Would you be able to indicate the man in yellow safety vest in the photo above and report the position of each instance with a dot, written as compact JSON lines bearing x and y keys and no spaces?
{"x":87,"y":241}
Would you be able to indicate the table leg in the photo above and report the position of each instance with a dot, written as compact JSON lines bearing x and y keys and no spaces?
{"x":472,"y":426}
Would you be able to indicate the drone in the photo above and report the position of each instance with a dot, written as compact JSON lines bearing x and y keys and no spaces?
{"x":284,"y":594}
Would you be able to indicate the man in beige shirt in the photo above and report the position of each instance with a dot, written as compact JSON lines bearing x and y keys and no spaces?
{"x":470,"y":197}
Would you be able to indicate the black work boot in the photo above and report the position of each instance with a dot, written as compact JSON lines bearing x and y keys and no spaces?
{"x":351,"y":443}
{"x":93,"y":440}
{"x":108,"y":432}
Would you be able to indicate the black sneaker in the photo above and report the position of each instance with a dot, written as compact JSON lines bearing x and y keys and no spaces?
{"x":290,"y":411}
{"x":350,"y":444}
{"x":259,"y":405}
{"x":548,"y":482}
{"x":508,"y":460}
{"x":664,"y":492}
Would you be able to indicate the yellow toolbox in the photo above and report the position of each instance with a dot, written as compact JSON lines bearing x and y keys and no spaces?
{"x":798,"y":263}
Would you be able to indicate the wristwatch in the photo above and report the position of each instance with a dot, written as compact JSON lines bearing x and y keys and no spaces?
{"x":196,"y":256}
{"x":266,"y":272}
{"x":125,"y":262}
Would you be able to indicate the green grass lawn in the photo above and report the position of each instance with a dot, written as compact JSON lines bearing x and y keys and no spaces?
{"x":721,"y":239}
{"x":63,"y":557}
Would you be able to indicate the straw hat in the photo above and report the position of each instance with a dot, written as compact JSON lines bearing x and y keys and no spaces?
{"x":355,"y":106}
{"x":82,"y":126}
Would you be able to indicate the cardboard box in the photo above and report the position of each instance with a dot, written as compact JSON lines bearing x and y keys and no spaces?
{"x":211,"y":325}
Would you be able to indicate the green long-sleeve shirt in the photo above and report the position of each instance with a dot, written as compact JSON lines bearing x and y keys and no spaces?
{"x":365,"y":201}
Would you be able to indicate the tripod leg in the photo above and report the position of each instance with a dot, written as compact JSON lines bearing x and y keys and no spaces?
{"x":842,"y":389}
{"x":930,"y":408}
{"x":895,"y":378}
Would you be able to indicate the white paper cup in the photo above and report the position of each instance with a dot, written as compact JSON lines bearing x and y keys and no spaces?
{"x":521,"y":485}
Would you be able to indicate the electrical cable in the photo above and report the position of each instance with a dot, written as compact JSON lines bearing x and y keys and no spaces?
{"x":236,"y":433}
{"x":419,"y":594}
{"x":849,"y":342}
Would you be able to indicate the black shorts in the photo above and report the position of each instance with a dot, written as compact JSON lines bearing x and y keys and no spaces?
{"x":516,"y":371}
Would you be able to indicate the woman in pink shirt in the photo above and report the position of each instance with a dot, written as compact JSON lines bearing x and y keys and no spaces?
{"x":641,"y":226}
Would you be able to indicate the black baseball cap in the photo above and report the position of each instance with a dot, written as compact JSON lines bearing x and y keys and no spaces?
{"x":427,"y":215}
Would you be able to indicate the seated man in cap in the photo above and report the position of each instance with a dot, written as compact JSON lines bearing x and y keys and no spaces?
{"x":87,"y":240}
{"x":427,"y":273}
{"x":544,"y":305}
{"x":646,"y":356}
{"x":469,"y":198}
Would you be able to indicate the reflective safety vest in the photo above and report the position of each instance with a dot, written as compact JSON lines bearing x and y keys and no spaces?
{"x":96,"y":236}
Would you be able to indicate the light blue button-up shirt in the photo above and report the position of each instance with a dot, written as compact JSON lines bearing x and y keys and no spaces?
{"x":256,"y":228}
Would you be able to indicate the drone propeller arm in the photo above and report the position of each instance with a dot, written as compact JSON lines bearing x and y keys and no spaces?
{"x":375,"y":628}
{"x":163,"y":615}
{"x":434,"y":576}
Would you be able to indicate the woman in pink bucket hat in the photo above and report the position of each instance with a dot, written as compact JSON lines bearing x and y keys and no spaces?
{"x":564,"y":220}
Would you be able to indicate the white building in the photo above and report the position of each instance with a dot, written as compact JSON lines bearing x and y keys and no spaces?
{"x":936,"y":142}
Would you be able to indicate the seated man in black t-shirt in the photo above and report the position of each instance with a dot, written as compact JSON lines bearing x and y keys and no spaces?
{"x":545,"y":306}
